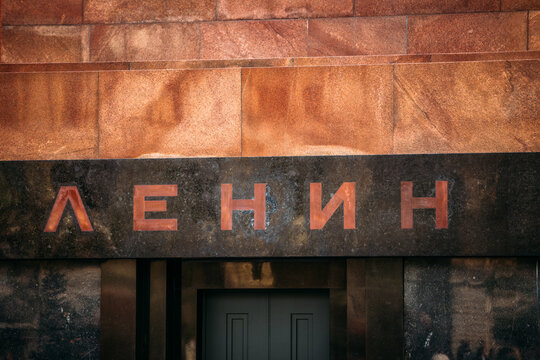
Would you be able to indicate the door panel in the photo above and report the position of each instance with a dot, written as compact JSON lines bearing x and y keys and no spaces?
{"x":236,"y":326}
{"x":299,"y":326}
{"x":302,"y":336}
{"x":266,"y":326}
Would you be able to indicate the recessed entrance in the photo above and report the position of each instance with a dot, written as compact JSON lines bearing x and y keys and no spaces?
{"x":266,"y":325}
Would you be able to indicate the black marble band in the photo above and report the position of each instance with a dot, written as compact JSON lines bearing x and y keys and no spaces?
{"x":460,"y":205}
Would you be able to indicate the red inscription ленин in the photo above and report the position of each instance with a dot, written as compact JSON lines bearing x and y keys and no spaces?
{"x":439,"y":203}
{"x":142,"y":206}
{"x":257,"y":204}
{"x":65,"y":194}
{"x":345,"y":194}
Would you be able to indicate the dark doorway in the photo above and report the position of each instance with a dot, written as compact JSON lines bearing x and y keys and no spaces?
{"x":277,"y":325}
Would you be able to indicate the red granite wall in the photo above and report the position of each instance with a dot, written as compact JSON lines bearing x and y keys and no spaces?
{"x":488,"y":106}
{"x":252,"y":78}
{"x":144,"y":30}
{"x":86,"y":79}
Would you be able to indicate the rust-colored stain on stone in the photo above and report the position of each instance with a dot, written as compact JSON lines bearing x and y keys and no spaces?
{"x":28,"y":44}
{"x":317,"y":111}
{"x":357,"y":36}
{"x":34,"y":12}
{"x":467,"y":107}
{"x":482,"y":32}
{"x":132,"y":11}
{"x":276,"y":9}
{"x":48,"y":116}
{"x":170,"y":113}
{"x":520,"y":5}
{"x":145,"y":42}
{"x":253,"y":39}
{"x":534,"y":30}
{"x":401,"y":7}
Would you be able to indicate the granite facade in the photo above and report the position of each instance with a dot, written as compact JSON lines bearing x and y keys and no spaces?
{"x":129,"y":42}
{"x":40,"y":115}
{"x":60,"y":30}
{"x":331,"y":78}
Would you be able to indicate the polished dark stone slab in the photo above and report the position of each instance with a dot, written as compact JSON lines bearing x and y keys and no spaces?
{"x":493,"y":207}
{"x":49,"y":310}
{"x":471,"y":308}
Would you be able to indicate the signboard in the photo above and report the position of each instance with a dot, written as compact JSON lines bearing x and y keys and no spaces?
{"x":397,"y":205}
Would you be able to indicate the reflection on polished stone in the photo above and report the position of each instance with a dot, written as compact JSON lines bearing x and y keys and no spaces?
{"x":49,"y":310}
{"x":248,"y":274}
{"x":472,"y":308}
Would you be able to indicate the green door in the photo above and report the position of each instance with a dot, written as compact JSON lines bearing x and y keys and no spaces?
{"x":266,"y":326}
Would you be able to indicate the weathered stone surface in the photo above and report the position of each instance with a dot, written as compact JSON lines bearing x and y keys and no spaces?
{"x":492,"y":207}
{"x":49,"y":310}
{"x":140,"y":42}
{"x":359,"y":60}
{"x":480,"y":32}
{"x":19,"y":12}
{"x":133,"y":11}
{"x":48,"y":116}
{"x":253,"y":39}
{"x":357,"y":36}
{"x":317,"y":111}
{"x":31,"y":44}
{"x":534,"y":30}
{"x":161,"y":114}
{"x":467,"y":107}
{"x":400,"y":7}
{"x":47,"y":67}
{"x":493,"y":56}
{"x":275,"y":9}
{"x":473,"y":306}
{"x":210,"y":64}
{"x":520,"y":5}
